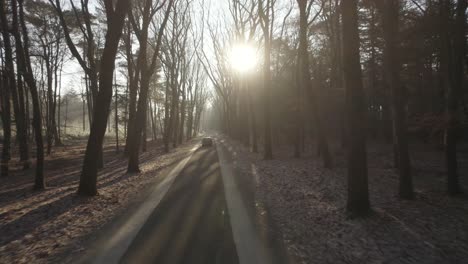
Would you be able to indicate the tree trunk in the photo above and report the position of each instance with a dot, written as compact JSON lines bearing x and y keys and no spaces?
{"x":305,"y":82}
{"x":267,"y":85}
{"x":8,"y":81}
{"x":182,"y":116}
{"x":49,"y":99}
{"x":298,"y":114}
{"x":116,"y":115}
{"x":153,"y":123}
{"x":358,"y":192}
{"x":115,"y":22}
{"x":390,"y":14}
{"x":166,"y":118}
{"x":253,"y":122}
{"x":174,"y":113}
{"x":55,"y":127}
{"x":66,"y":117}
{"x":59,"y":112}
{"x":39,"y":182}
{"x":146,"y":75}
{"x":6,"y":119}
{"x":453,"y":50}
{"x":137,"y":137}
{"x":144,"y":138}
{"x":132,"y":86}
{"x":190,"y":120}
{"x":21,"y":120}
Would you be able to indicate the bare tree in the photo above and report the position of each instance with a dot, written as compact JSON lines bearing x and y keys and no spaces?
{"x":9,"y":82}
{"x":358,"y":193}
{"x":115,"y":15}
{"x":266,"y":14}
{"x":88,"y":61}
{"x":304,"y":73}
{"x":146,"y":72}
{"x":452,"y":52}
{"x":27,"y":71}
{"x":390,"y":12}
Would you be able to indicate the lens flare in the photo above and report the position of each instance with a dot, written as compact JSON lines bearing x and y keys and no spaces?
{"x":243,"y":58}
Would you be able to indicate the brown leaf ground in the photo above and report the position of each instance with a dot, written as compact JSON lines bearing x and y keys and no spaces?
{"x":306,"y":204}
{"x":45,"y":226}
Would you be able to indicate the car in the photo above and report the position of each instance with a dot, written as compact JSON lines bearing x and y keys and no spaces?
{"x":207,"y":142}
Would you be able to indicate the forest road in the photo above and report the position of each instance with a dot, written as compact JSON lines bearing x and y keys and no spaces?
{"x":198,"y":213}
{"x":191,"y":223}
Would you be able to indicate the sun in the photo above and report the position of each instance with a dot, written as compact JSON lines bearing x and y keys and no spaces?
{"x":243,"y":58}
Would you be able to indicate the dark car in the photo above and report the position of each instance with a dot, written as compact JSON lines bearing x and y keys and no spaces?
{"x":207,"y":142}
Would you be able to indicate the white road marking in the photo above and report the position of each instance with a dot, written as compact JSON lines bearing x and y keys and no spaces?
{"x":119,"y":242}
{"x":249,"y":248}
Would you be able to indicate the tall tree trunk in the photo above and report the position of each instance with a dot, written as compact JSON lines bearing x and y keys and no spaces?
{"x":390,"y":12}
{"x":358,"y":190}
{"x":89,"y":103}
{"x":66,"y":117}
{"x":373,"y":93}
{"x":126,"y":112}
{"x":182,"y":116}
{"x":166,"y":118}
{"x":115,"y":20}
{"x":147,"y":72}
{"x":59,"y":112}
{"x":116,"y":115}
{"x":21,"y":120}
{"x":453,"y":50}
{"x":144,"y":138}
{"x":83,"y":111}
{"x":253,"y":122}
{"x":6,"y":119}
{"x":299,"y":121}
{"x":153,"y":123}
{"x":137,"y":137}
{"x":55,"y":126}
{"x":49,"y":99}
{"x":175,"y":126}
{"x":39,"y":180}
{"x":190,"y":120}
{"x":27,"y":114}
{"x":305,"y":82}
{"x":133,"y":75}
{"x":10,"y":89}
{"x":267,"y":85}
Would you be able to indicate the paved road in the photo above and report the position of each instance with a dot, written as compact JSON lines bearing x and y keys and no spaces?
{"x":191,"y":223}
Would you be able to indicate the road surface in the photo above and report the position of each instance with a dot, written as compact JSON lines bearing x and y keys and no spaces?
{"x":191,"y":223}
{"x":195,"y":213}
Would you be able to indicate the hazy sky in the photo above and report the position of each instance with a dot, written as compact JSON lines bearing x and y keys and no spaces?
{"x":72,"y":75}
{"x":218,"y":10}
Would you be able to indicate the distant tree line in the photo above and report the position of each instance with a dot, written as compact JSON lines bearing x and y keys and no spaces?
{"x":373,"y":70}
{"x":137,"y":68}
{"x":380,"y":70}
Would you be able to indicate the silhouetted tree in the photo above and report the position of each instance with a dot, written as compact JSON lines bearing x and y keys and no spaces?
{"x":453,"y":50}
{"x":390,"y":10}
{"x":115,"y":15}
{"x":358,"y":193}
{"x":266,"y":12}
{"x":304,"y":81}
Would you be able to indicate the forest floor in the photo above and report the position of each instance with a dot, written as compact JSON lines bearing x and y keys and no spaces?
{"x":306,"y":204}
{"x":45,"y":226}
